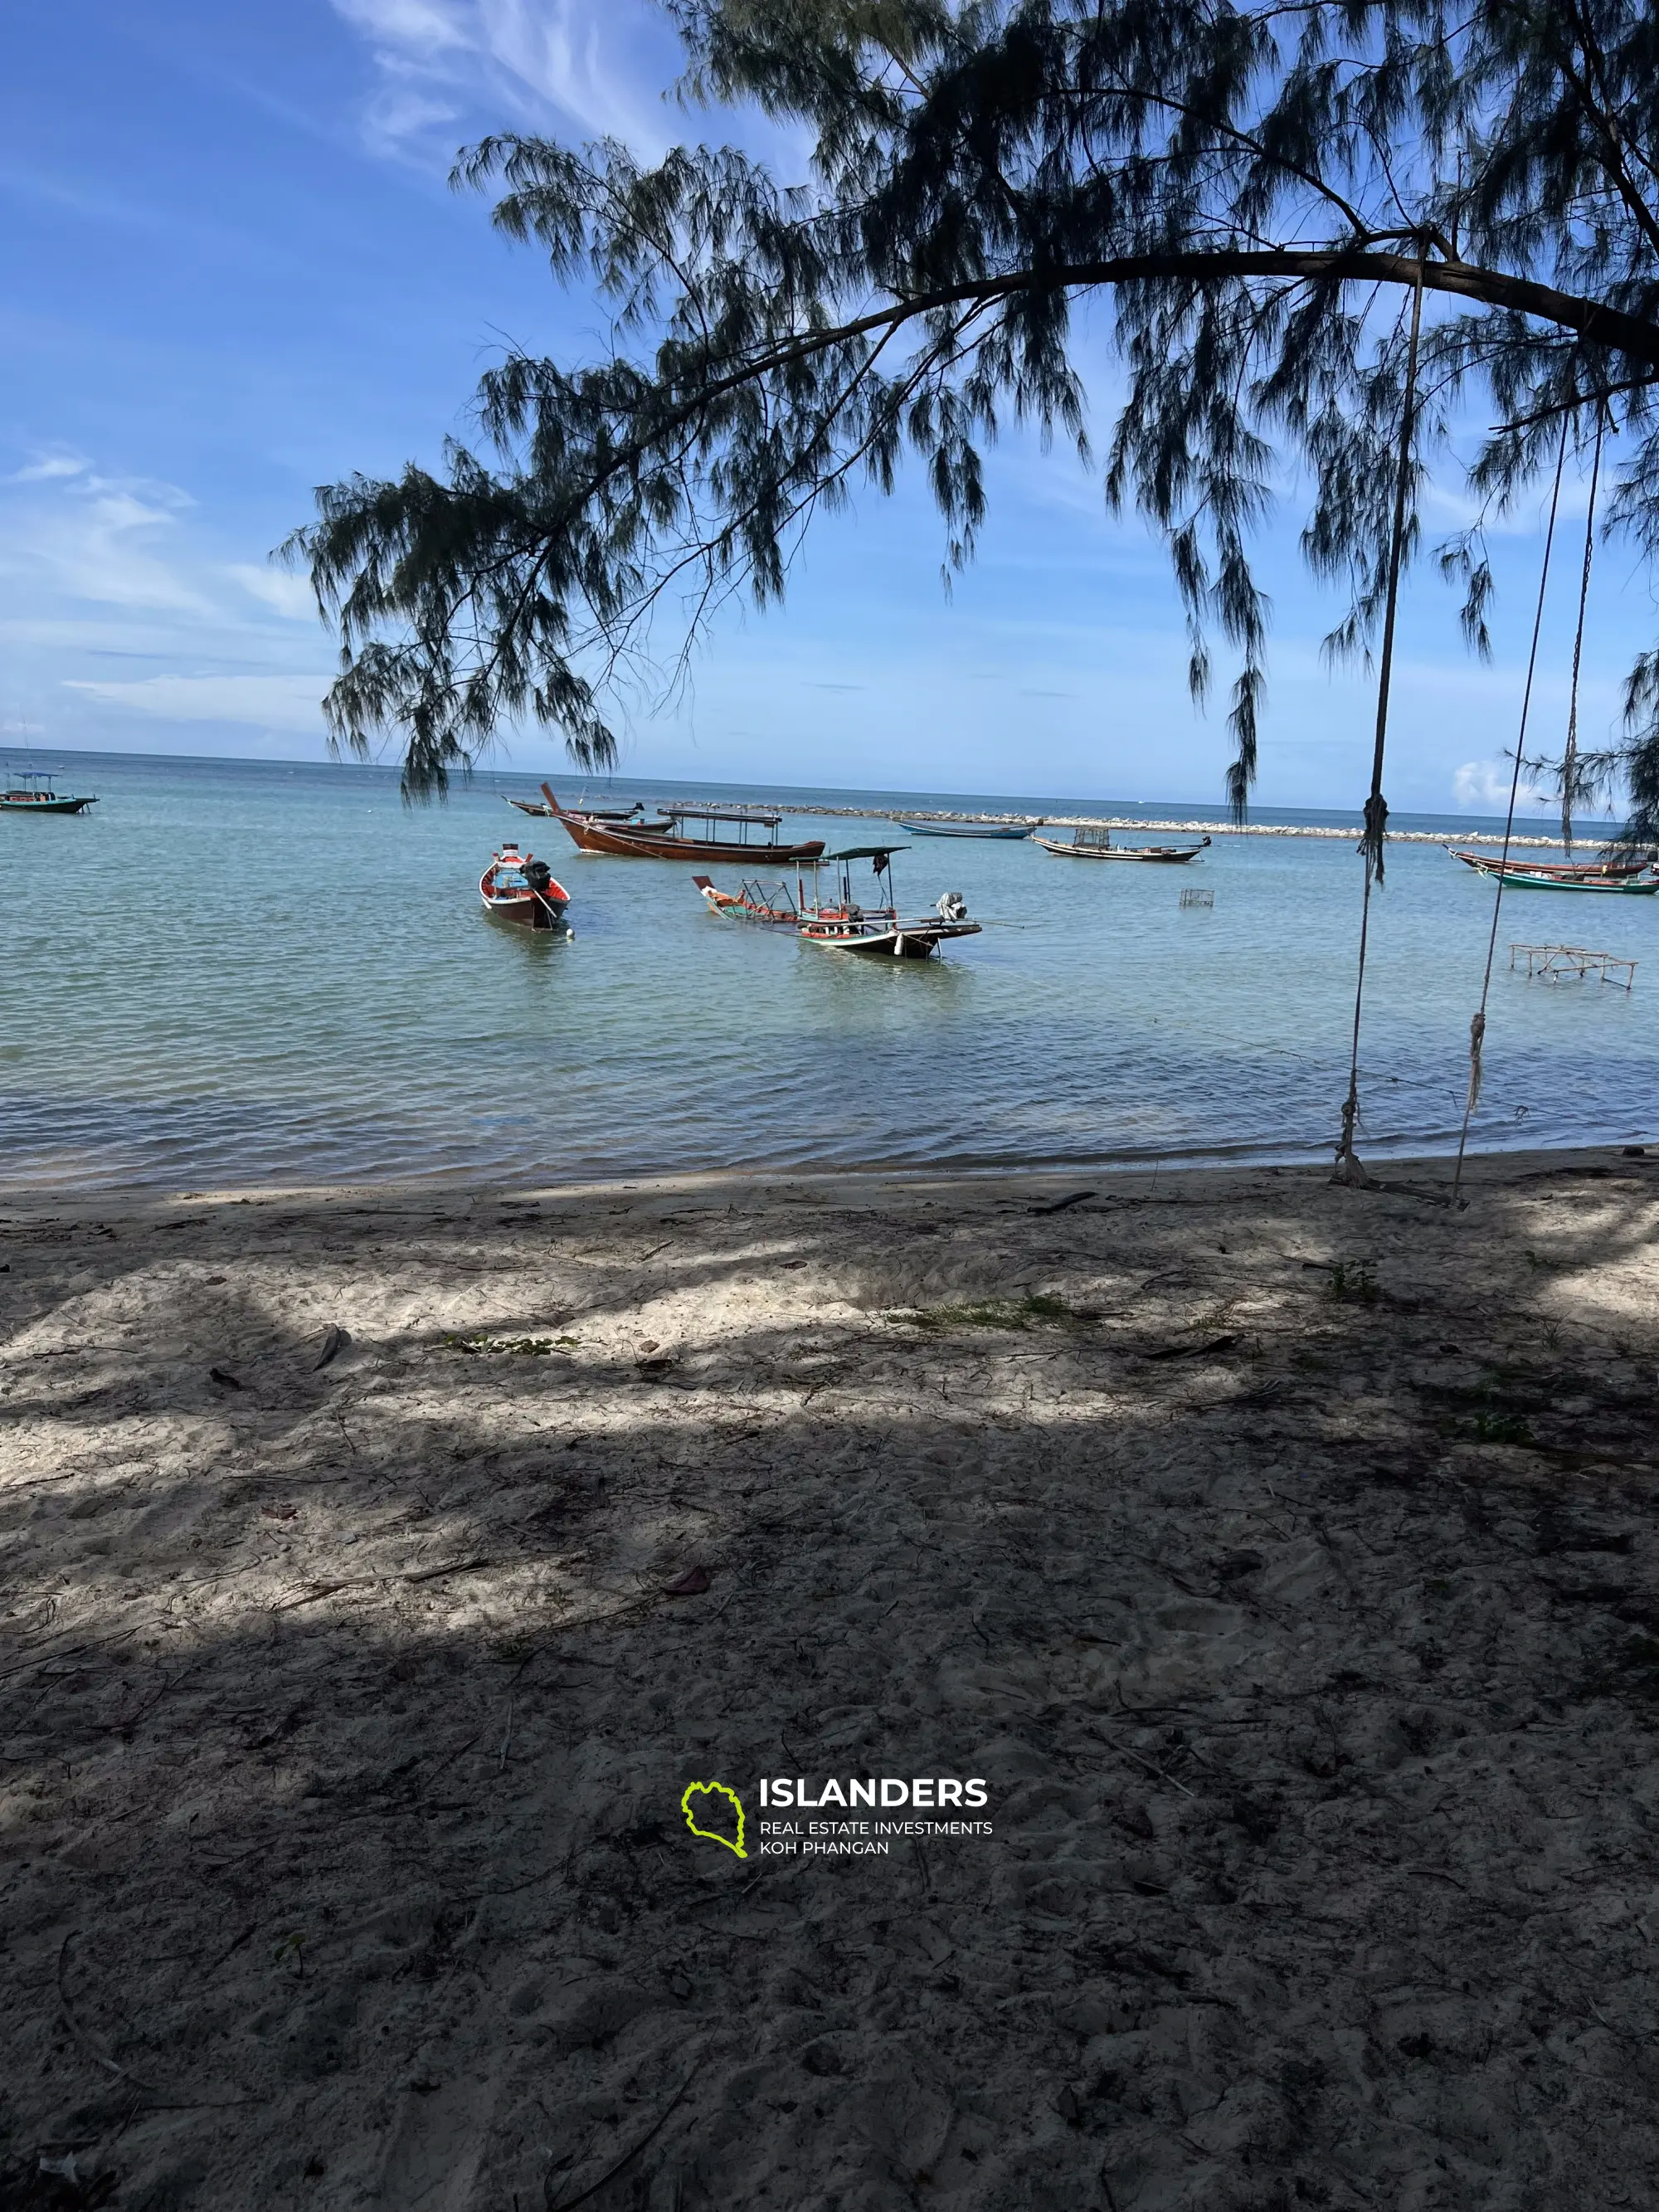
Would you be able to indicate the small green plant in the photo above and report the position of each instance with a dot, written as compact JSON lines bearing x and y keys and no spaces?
{"x":1502,"y":1429}
{"x":533,"y":1347}
{"x":1437,"y":1586}
{"x":995,"y":1313}
{"x":1353,"y":1282}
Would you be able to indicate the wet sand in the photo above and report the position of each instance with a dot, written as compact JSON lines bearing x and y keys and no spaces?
{"x":381,"y":1568}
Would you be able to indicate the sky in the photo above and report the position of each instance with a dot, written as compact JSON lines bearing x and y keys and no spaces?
{"x":232,"y":270}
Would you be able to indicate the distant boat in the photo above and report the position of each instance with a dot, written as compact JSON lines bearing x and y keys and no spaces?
{"x":517,"y":887}
{"x":34,"y":794}
{"x":549,"y":805}
{"x":1009,"y":829}
{"x":671,"y":839}
{"x":1594,"y":875}
{"x":1090,"y":842}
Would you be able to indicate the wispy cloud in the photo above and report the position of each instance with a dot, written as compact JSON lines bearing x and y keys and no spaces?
{"x":286,"y":702}
{"x":97,"y":538}
{"x":49,"y":466}
{"x":97,"y":568}
{"x":597,"y":63}
{"x":290,"y":596}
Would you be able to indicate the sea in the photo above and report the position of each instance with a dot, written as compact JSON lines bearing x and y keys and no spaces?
{"x":231,"y":973}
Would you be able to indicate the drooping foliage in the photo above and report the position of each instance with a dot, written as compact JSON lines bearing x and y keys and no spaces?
{"x":1252,"y":192}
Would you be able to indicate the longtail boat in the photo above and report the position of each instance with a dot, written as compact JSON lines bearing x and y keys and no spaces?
{"x":1597,"y":886}
{"x":34,"y":794}
{"x":834,"y":919}
{"x":1009,"y":830}
{"x":840,"y":924}
{"x":672,"y":839}
{"x":517,"y":887}
{"x":753,"y":902}
{"x":540,"y":806}
{"x":1090,"y":842}
{"x":1599,"y":874}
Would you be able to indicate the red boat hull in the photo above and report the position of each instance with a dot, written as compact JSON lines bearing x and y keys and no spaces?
{"x":618,"y":843}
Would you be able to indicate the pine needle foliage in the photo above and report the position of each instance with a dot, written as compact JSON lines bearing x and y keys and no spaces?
{"x":1251,"y":190}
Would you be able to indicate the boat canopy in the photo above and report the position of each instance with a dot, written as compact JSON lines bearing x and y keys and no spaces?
{"x":688,"y":812}
{"x":867,"y":853}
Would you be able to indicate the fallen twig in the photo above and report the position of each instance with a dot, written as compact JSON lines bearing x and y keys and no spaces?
{"x":1059,"y":1204}
{"x":628,"y":2157}
{"x":322,"y":1590}
{"x":449,"y":1567}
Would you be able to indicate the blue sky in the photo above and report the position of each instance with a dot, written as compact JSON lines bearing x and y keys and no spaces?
{"x":231,"y":270}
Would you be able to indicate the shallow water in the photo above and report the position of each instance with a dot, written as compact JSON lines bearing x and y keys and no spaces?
{"x":231,"y":973}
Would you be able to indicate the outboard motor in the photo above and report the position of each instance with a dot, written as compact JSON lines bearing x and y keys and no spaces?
{"x":952,"y":907}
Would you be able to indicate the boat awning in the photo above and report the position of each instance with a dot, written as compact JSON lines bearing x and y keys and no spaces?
{"x":867,"y":853}
{"x":686,"y":812}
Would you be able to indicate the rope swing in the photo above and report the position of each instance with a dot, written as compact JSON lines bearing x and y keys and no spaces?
{"x":1569,"y":757}
{"x":1348,"y":1169}
{"x":1478,"y":1026}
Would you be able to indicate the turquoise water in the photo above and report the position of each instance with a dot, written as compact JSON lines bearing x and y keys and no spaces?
{"x":231,"y":973}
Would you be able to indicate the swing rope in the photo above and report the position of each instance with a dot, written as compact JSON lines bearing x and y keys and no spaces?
{"x":1348,"y":1169}
{"x":1569,"y":757}
{"x":1478,"y":1026}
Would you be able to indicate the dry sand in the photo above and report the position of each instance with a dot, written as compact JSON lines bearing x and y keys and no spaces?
{"x":1282,"y":1557}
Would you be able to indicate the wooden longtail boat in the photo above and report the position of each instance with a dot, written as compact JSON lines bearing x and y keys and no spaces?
{"x":836,"y":921}
{"x":34,"y":794}
{"x":751,"y":903}
{"x":840,"y":925}
{"x":1091,"y":843}
{"x":671,"y":840}
{"x":540,"y":806}
{"x":1525,"y":880}
{"x":1593,"y":871}
{"x":1009,"y":830}
{"x":517,"y":887}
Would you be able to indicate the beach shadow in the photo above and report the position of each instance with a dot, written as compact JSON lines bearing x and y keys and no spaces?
{"x":1279,"y":1558}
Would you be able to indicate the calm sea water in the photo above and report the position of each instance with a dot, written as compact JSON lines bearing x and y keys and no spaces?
{"x":231,"y":973}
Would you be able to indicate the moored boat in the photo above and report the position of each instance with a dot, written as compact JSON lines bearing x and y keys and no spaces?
{"x":549,"y":807}
{"x":1091,"y":843}
{"x":840,"y":924}
{"x":34,"y":794}
{"x":1009,"y":829}
{"x":675,"y":838}
{"x":1595,"y":886}
{"x":1597,"y":873}
{"x":752,"y":903}
{"x":517,"y":887}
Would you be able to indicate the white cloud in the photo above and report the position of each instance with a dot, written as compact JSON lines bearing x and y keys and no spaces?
{"x":291,"y":596}
{"x":1483,"y":787}
{"x":289,"y":703}
{"x":101,"y":539}
{"x":541,"y":60}
{"x":62,"y":463}
{"x":425,"y":25}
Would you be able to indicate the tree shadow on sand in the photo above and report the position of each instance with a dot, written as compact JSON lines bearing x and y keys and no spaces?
{"x":1280,"y":1557}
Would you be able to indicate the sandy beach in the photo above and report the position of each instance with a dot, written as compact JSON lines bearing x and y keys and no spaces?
{"x":382,"y":1567}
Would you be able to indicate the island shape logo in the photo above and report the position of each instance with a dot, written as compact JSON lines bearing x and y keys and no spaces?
{"x":703,"y":1791}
